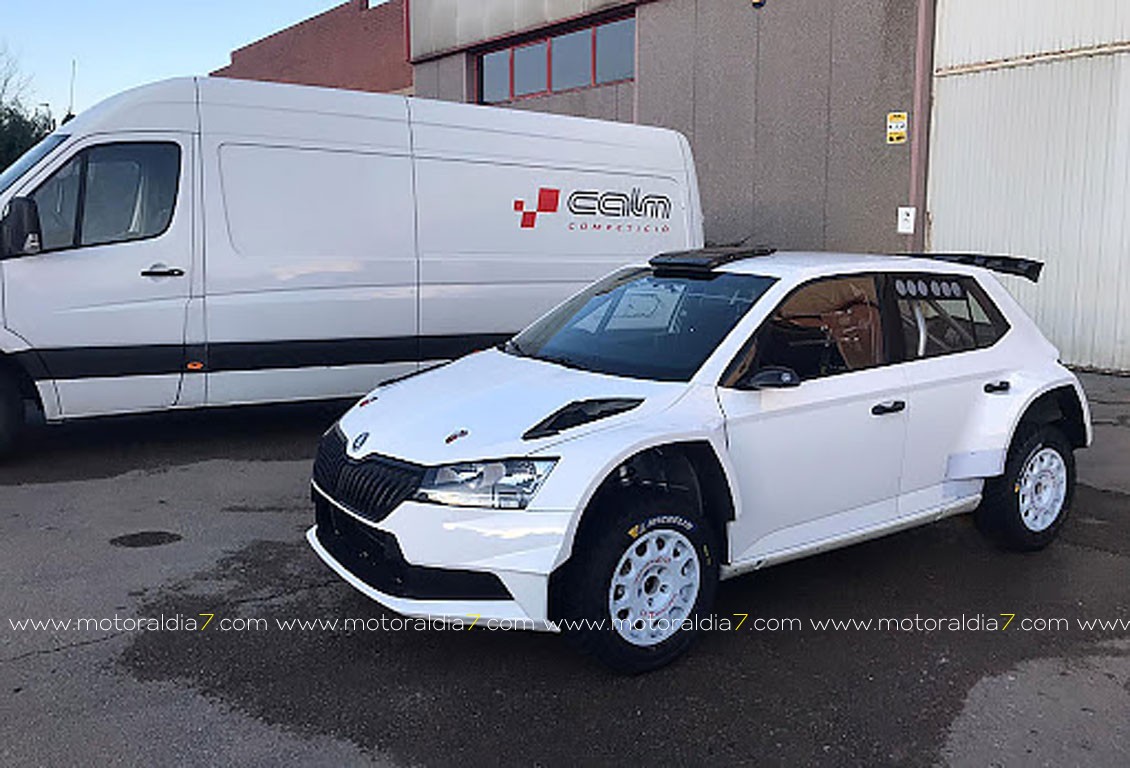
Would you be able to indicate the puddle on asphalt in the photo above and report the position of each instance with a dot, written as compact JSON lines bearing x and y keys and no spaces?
{"x":1051,"y":711}
{"x":146,"y":539}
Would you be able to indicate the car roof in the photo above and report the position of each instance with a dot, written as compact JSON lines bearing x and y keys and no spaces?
{"x":803,"y":265}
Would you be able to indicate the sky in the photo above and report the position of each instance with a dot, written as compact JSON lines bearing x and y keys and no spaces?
{"x":122,"y":43}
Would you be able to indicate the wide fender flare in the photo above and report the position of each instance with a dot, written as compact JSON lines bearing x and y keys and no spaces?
{"x":984,"y":451}
{"x":585,"y":463}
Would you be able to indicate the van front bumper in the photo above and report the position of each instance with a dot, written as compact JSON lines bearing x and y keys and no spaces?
{"x":445,"y":563}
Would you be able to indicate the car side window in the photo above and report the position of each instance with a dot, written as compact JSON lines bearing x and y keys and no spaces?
{"x":944,"y":315}
{"x":827,"y":327}
{"x":110,"y":194}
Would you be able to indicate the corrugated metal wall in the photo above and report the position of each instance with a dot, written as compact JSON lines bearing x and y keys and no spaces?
{"x":1030,"y":155}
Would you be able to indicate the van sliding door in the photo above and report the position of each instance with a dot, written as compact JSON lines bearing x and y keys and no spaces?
{"x":310,"y":244}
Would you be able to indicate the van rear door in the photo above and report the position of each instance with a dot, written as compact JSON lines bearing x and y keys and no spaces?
{"x":103,"y":305}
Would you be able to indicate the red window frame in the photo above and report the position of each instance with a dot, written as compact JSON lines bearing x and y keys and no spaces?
{"x":548,"y":41}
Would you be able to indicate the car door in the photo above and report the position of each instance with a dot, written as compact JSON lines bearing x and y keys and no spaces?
{"x":103,"y":303}
{"x":947,"y":325}
{"x":822,"y":460}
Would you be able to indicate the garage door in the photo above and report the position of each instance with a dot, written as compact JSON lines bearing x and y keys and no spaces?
{"x":1030,"y":155}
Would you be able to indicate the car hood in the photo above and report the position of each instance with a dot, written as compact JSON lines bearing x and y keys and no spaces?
{"x":480,"y":406}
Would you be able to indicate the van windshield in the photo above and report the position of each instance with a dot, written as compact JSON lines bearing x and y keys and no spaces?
{"x":17,"y":169}
{"x":643,"y":324}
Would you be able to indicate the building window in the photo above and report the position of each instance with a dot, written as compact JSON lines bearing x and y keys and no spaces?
{"x":572,"y":60}
{"x":531,"y":69}
{"x":496,"y":77}
{"x":616,"y":51}
{"x":586,"y":58}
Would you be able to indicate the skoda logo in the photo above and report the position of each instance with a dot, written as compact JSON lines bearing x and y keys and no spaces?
{"x":359,"y":441}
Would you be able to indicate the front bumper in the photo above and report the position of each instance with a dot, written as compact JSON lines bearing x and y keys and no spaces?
{"x":445,"y":563}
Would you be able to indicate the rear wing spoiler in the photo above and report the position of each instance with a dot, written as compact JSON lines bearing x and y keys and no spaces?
{"x":1006,"y":265}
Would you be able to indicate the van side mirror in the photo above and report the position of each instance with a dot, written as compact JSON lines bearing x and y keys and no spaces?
{"x":772,"y":377}
{"x":20,"y":233}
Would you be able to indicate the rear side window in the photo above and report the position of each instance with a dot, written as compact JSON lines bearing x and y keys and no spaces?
{"x":825,"y":328}
{"x":109,"y":194}
{"x":945,"y":315}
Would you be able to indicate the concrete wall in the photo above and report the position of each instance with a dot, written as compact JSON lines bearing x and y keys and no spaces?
{"x":450,"y":78}
{"x":785,"y":107}
{"x":444,"y":25}
{"x":349,"y":46}
{"x":609,"y":102}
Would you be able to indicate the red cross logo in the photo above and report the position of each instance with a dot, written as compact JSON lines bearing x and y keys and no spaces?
{"x":548,"y":200}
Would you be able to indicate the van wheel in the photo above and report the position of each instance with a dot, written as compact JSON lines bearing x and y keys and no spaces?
{"x":1025,"y":508}
{"x":640,"y":580}
{"x":11,"y":414}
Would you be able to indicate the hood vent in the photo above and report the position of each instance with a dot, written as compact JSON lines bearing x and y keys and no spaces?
{"x":578,"y":413}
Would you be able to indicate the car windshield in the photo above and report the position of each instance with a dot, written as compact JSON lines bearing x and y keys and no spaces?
{"x":641,"y":324}
{"x":28,"y":159}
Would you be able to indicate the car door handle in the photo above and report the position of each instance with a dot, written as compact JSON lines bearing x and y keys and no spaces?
{"x":159,"y":270}
{"x":997,"y":387}
{"x":886,"y":409}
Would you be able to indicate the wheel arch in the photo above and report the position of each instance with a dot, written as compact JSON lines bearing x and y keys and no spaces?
{"x":688,"y":467}
{"x":11,"y":366}
{"x":1063,"y":406}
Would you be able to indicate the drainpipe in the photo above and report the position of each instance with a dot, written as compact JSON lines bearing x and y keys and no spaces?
{"x":920,"y":119}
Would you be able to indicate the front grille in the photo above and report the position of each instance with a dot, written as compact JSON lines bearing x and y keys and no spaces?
{"x":371,"y":488}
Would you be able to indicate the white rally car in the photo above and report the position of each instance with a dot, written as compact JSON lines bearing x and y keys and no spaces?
{"x":708,"y":414}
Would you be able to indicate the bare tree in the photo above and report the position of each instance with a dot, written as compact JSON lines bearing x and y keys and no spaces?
{"x":20,"y":127}
{"x":14,"y":84}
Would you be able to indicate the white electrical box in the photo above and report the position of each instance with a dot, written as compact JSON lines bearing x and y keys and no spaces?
{"x":908,"y":218}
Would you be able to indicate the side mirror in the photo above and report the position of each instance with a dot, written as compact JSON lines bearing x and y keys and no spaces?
{"x":772,"y":377}
{"x":20,"y":233}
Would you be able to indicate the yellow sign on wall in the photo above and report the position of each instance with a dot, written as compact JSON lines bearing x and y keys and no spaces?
{"x":898,"y":127}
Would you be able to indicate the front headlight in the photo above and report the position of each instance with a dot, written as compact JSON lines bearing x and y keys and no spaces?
{"x":502,"y":484}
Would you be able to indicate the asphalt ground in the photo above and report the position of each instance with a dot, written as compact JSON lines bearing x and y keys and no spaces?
{"x":193,"y":514}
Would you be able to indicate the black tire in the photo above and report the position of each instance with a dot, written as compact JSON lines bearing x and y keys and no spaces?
{"x":636,"y":516}
{"x":11,"y":414}
{"x":999,"y":517}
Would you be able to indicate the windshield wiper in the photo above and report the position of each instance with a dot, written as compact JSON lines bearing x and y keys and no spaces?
{"x":511,"y":347}
{"x":564,"y":362}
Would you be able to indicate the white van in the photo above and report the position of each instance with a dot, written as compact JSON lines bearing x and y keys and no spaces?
{"x":211,"y":242}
